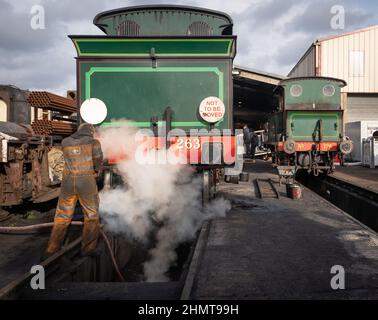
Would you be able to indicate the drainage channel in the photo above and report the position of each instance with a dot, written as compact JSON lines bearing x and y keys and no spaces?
{"x":360,"y":203}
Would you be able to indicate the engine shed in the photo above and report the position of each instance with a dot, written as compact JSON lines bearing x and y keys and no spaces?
{"x":254,"y":98}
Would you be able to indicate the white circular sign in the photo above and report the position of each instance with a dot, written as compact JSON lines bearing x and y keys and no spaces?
{"x":211,"y":109}
{"x":93,"y":111}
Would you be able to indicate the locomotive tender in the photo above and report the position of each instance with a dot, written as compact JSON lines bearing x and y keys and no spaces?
{"x":164,"y":67}
{"x":306,"y":131}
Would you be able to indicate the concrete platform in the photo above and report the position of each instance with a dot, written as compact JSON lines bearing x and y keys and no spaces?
{"x":362,"y":177}
{"x":284,"y":249}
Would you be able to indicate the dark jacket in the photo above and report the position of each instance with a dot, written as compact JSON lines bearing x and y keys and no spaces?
{"x":246,"y":136}
{"x":254,"y":139}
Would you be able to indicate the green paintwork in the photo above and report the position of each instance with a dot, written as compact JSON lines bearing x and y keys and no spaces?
{"x":142,"y":74}
{"x":297,"y":118}
{"x":305,"y":123}
{"x":131,"y":47}
{"x":152,"y":62}
{"x":134,"y":90}
{"x":312,"y":92}
{"x":158,"y":22}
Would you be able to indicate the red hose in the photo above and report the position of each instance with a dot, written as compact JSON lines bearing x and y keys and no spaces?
{"x":34,"y":227}
{"x":119,"y":274}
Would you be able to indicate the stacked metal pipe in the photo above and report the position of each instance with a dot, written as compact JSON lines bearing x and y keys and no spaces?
{"x":51,"y":101}
{"x":53,"y":128}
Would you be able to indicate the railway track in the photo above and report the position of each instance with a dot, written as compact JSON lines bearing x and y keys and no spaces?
{"x":50,"y":265}
{"x":266,"y":189}
{"x":367,"y":194}
{"x":62,"y":264}
{"x":67,"y":272}
{"x":70,"y":276}
{"x":360,"y":203}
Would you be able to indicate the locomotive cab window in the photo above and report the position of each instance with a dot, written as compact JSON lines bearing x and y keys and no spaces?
{"x":128,"y":28}
{"x":199,"y":28}
{"x":329,"y":90}
{"x":296,"y":90}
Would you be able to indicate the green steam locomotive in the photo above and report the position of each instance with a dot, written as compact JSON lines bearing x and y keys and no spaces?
{"x":158,"y":66}
{"x":306,"y":131}
{"x":168,"y":69}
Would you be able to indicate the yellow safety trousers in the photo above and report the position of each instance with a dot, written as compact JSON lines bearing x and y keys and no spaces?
{"x":74,"y":188}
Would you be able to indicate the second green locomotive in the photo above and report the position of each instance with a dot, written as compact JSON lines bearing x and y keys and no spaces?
{"x":306,"y":131}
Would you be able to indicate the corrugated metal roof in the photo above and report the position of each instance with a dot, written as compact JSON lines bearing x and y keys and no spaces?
{"x":259,"y":72}
{"x":310,"y":78}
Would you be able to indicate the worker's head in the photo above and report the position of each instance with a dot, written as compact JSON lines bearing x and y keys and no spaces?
{"x":86,"y":129}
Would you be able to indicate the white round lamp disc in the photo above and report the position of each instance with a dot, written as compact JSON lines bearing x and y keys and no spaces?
{"x":212,"y":109}
{"x":93,"y":111}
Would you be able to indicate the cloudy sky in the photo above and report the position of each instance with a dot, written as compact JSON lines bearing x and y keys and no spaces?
{"x":272,"y":34}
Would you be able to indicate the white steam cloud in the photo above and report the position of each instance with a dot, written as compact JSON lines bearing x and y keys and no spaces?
{"x":159,"y":198}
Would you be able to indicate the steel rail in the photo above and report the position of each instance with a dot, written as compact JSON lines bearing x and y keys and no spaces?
{"x":266,"y":192}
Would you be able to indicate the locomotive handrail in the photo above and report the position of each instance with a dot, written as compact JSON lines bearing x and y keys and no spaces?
{"x":320,"y":129}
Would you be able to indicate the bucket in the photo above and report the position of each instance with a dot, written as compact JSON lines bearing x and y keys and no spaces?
{"x":244,"y":176}
{"x":293,"y":191}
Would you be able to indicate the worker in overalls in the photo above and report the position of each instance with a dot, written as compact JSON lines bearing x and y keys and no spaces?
{"x":83,"y":159}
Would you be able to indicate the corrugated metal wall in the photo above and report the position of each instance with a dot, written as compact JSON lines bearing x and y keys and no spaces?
{"x":306,"y":67}
{"x":362,"y":107}
{"x":354,"y":58}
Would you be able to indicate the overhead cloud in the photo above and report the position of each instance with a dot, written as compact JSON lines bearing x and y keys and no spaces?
{"x":17,"y":36}
{"x":272,"y":35}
